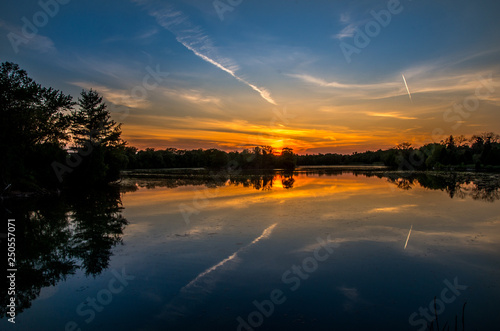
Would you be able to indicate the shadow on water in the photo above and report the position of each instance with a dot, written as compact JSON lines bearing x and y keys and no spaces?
{"x":478,"y":186}
{"x":57,"y":237}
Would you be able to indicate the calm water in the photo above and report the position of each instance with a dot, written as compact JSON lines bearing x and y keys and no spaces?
{"x":327,"y":250}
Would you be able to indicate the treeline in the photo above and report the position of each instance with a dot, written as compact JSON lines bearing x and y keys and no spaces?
{"x":49,"y":141}
{"x":260,"y":157}
{"x":480,"y":152}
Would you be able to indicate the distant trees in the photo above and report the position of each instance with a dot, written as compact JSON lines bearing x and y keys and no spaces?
{"x":260,"y":157}
{"x":480,"y":152}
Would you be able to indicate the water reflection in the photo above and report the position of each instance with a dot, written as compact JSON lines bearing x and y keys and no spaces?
{"x":460,"y":185}
{"x":370,"y":214}
{"x":58,"y":236}
{"x":478,"y":186}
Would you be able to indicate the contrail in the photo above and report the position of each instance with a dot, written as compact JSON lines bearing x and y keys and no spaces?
{"x":407,"y":238}
{"x":193,"y":38}
{"x":407,"y":89}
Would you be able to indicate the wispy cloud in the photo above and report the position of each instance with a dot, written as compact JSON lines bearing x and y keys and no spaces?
{"x":372,"y":91}
{"x":239,"y":134}
{"x":323,"y":83}
{"x":396,"y":209}
{"x":37,"y":42}
{"x":346,"y":32}
{"x":390,"y":115}
{"x":429,"y":78}
{"x":193,"y":38}
{"x":192,"y":95}
{"x":118,"y":97}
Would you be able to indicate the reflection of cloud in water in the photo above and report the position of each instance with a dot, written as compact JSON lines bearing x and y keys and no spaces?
{"x":396,"y":209}
{"x":333,"y":243}
{"x":350,"y":293}
{"x":205,"y":281}
{"x":352,"y":296}
{"x":353,"y":299}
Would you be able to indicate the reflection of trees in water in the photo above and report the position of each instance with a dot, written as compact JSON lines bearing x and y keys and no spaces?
{"x":262,"y":182}
{"x":56,"y":237}
{"x":478,"y":186}
{"x":461,"y":185}
{"x":402,"y":183}
{"x":288,"y":181}
{"x":258,"y":181}
{"x":98,"y":227}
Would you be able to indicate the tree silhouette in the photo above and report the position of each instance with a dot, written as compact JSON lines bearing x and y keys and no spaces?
{"x":94,"y":132}
{"x":33,"y":123}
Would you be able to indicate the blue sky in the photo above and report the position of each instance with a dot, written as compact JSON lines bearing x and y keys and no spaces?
{"x":269,"y":72}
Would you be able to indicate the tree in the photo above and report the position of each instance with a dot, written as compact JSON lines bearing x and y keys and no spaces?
{"x":92,"y":123}
{"x":33,"y":123}
{"x":403,"y":146}
{"x":94,"y":132}
{"x":287,"y":159}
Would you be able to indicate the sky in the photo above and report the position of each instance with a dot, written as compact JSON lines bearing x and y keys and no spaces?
{"x":317,"y":76}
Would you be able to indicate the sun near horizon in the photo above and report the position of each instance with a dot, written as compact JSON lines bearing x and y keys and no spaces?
{"x":189,"y":75}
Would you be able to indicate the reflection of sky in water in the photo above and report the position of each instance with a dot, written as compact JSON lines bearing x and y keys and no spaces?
{"x":236,"y":249}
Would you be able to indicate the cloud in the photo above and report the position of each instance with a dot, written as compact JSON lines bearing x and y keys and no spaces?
{"x":193,"y":38}
{"x":391,"y":115}
{"x":428,"y":78}
{"x":118,"y":97}
{"x":239,"y":134}
{"x":322,"y":83}
{"x":192,"y":95}
{"x":36,"y":42}
{"x":346,"y":32}
{"x":373,"y":91}
{"x":396,"y":209}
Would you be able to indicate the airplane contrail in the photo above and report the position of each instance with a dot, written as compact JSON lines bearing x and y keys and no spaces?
{"x":407,"y":89}
{"x":407,"y":238}
{"x":194,"y":39}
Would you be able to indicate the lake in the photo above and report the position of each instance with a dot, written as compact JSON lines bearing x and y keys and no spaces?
{"x":317,"y":249}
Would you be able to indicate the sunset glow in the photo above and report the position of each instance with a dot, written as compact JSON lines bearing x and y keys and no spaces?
{"x":184,"y":75}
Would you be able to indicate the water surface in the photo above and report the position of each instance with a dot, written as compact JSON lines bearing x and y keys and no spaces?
{"x":314,"y":250}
